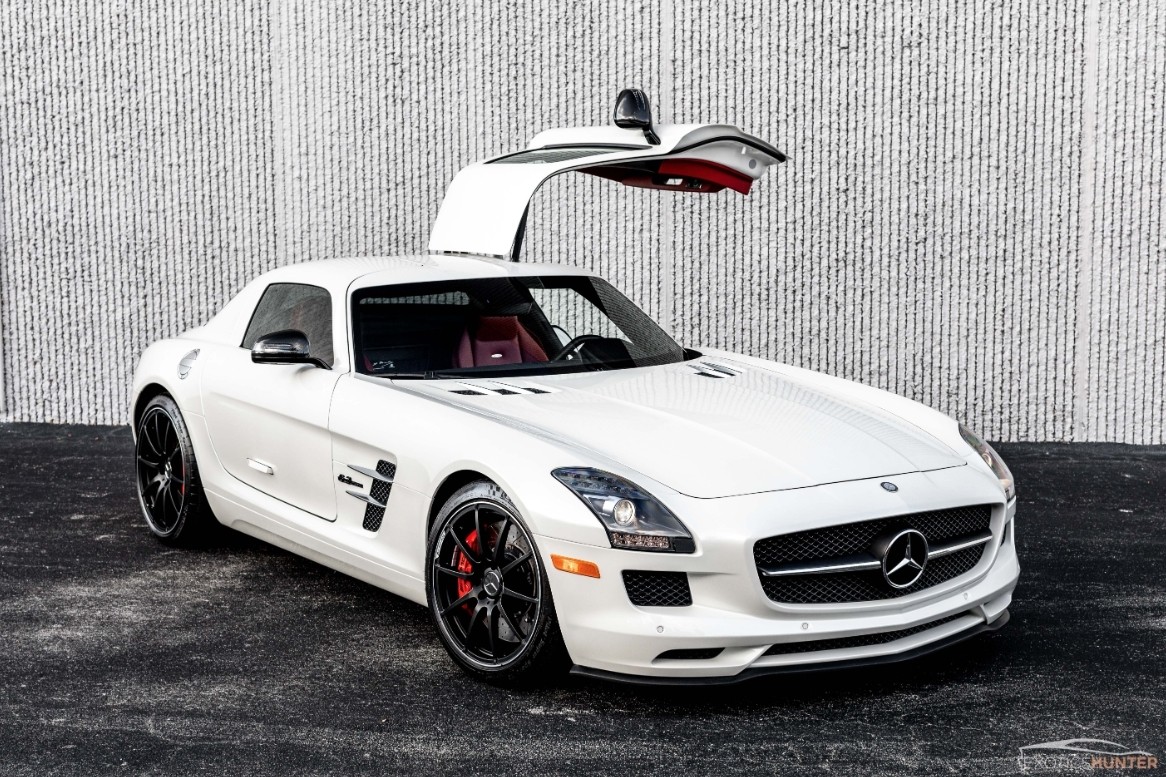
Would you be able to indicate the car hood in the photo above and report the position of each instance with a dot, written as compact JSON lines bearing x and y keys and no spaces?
{"x":706,"y":432}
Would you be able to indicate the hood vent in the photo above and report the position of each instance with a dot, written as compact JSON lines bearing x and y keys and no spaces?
{"x":712,"y":370}
{"x":498,"y":388}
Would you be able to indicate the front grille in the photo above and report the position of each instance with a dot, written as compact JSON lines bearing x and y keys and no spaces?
{"x":858,"y":640}
{"x":657,"y":589}
{"x":856,"y":538}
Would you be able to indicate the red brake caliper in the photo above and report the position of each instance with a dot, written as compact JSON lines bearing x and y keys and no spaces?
{"x":463,"y":564}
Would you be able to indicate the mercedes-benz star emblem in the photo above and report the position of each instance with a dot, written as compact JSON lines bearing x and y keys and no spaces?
{"x":492,"y":583}
{"x":905,"y":558}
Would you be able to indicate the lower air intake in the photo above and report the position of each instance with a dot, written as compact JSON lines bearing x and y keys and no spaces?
{"x":657,"y":589}
{"x":690,"y":654}
{"x":858,"y":640}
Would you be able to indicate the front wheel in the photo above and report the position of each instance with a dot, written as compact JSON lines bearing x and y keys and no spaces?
{"x":169,"y":489}
{"x":488,"y":592}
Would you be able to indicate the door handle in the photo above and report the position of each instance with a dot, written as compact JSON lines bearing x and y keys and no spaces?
{"x":260,"y":466}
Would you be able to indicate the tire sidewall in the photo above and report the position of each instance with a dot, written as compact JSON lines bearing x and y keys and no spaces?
{"x":192,"y":501}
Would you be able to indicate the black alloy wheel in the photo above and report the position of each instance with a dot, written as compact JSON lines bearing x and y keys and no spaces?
{"x":488,"y":592}
{"x":169,"y":489}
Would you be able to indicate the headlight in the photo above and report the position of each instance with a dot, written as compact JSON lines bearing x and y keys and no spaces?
{"x":992,"y":459}
{"x":633,"y":518}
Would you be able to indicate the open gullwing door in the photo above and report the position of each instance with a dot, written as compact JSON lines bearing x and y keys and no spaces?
{"x":484,"y":210}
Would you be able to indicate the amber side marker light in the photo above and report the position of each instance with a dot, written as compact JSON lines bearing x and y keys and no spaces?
{"x":575,"y":566}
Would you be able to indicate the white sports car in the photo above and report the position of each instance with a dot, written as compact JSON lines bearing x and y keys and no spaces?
{"x":524,"y":451}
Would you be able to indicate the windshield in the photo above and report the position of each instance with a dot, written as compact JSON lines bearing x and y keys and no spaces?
{"x":534,"y":325}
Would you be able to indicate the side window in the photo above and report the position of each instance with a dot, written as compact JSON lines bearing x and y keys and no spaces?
{"x":294,"y":306}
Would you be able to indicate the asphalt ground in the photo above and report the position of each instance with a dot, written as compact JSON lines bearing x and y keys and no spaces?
{"x":121,"y":655}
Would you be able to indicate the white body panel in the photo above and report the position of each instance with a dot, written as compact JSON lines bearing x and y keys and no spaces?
{"x":715,"y":437}
{"x":772,"y":449}
{"x":268,"y":424}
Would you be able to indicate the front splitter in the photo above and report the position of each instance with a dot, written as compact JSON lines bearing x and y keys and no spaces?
{"x":823,"y":666}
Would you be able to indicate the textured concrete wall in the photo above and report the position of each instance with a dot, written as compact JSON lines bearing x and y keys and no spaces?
{"x":971,"y":215}
{"x":136,"y":188}
{"x":1121,"y":370}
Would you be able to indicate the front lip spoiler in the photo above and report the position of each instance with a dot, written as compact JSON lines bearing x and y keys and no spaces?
{"x":825,"y":666}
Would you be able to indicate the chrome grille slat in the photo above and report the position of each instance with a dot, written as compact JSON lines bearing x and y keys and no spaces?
{"x":867,"y":562}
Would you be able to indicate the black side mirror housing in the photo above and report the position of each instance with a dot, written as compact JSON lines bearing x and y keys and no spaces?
{"x":632,"y":111}
{"x":288,"y":346}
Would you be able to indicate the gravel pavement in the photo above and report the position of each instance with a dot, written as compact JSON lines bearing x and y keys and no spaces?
{"x":124,"y":656}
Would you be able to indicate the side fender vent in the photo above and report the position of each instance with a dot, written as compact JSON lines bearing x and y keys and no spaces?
{"x":378,"y":493}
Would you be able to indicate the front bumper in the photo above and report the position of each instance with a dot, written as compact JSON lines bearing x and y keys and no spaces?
{"x":753,"y":673}
{"x":608,"y":636}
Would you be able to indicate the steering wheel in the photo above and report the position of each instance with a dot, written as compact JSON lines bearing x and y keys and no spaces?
{"x":573,"y":346}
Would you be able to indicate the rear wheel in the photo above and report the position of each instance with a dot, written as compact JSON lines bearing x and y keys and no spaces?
{"x":169,"y":489}
{"x":488,"y":592}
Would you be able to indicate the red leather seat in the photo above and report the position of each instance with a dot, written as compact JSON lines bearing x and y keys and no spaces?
{"x":497,"y":340}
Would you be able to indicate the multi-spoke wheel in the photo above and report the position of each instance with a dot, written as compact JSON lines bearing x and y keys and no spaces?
{"x":168,"y":486}
{"x":488,"y":593}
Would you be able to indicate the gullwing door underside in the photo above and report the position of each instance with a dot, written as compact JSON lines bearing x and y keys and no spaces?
{"x":484,"y":210}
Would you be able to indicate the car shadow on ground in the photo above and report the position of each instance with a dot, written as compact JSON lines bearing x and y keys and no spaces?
{"x":973,"y":660}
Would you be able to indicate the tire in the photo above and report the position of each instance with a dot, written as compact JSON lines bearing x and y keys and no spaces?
{"x":491,"y":604}
{"x":169,"y":489}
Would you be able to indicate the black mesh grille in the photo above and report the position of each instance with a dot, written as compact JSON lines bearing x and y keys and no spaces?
{"x":853,"y":538}
{"x":848,"y":538}
{"x":865,"y":586}
{"x":858,"y":640}
{"x":373,"y":516}
{"x":657,"y":589}
{"x":379,"y":491}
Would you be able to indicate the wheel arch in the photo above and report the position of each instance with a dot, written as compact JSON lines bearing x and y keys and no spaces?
{"x":452,"y":482}
{"x":147,"y":393}
{"x":543,"y":503}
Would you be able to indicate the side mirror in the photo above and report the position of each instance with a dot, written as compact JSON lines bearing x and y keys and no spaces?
{"x":632,"y":111}
{"x":289,"y":346}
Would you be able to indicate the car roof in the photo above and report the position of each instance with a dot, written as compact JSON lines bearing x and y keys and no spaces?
{"x":344,"y":274}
